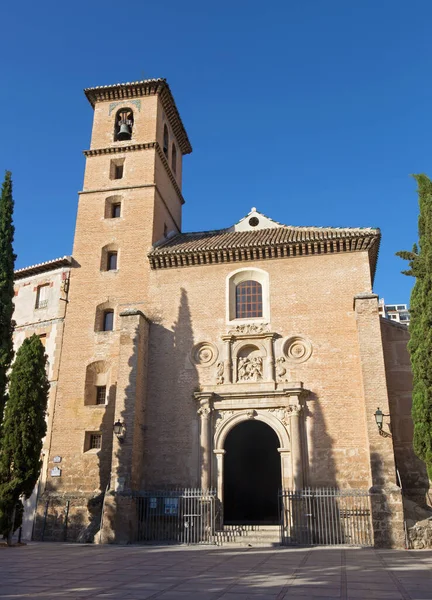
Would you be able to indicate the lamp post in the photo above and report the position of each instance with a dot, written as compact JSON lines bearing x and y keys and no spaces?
{"x":119,"y":430}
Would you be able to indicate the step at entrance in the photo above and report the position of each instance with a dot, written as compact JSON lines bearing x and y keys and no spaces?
{"x":249,"y":535}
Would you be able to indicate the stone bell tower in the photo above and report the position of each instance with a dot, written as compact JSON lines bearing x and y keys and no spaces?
{"x":131,"y":199}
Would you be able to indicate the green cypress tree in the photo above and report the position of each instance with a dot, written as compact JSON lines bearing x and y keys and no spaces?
{"x":24,"y":428}
{"x":420,"y":344}
{"x":7,"y":263}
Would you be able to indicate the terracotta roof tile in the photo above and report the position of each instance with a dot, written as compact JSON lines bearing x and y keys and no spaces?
{"x":225,"y":245}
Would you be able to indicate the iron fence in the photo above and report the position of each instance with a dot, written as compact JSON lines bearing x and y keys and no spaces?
{"x":185,"y":516}
{"x":325,"y":516}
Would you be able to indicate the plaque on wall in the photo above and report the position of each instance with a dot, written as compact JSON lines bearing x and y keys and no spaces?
{"x":55,"y":472}
{"x":57,"y":459}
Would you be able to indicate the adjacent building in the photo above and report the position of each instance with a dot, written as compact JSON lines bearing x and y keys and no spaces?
{"x":395,"y":312}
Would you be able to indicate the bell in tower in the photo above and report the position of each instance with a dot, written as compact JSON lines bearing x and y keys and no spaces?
{"x":124,"y":125}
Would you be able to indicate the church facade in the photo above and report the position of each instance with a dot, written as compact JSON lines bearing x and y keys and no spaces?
{"x":185,"y":354}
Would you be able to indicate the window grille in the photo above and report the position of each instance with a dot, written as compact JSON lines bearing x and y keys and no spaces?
{"x":42,"y":296}
{"x":248,"y":299}
{"x":100,"y":394}
{"x":95,"y":441}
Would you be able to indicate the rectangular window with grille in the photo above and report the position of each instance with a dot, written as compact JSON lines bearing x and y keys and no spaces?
{"x":42,"y":296}
{"x":100,"y":394}
{"x":95,"y":441}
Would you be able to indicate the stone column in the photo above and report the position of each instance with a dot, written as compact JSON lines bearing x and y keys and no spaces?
{"x":387,"y":511}
{"x":270,"y":362}
{"x":295,"y":412}
{"x":286,"y":468}
{"x":227,"y":362}
{"x":205,"y":443}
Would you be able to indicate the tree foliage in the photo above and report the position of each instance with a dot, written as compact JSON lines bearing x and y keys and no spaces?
{"x":420,"y":344}
{"x":24,"y":428}
{"x":7,"y":264}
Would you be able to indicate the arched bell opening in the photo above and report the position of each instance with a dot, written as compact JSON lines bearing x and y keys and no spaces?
{"x":251,"y":474}
{"x":123,"y":125}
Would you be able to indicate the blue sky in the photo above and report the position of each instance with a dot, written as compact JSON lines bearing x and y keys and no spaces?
{"x":314,"y":111}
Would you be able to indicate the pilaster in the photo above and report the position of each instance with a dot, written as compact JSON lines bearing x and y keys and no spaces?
{"x":387,"y":511}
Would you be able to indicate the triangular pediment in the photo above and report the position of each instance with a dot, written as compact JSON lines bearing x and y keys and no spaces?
{"x":254,"y":221}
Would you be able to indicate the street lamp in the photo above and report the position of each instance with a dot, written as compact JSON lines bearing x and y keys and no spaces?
{"x":379,"y":419}
{"x":119,"y":430}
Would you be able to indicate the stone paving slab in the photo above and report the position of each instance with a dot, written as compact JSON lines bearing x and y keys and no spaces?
{"x":47,"y":571}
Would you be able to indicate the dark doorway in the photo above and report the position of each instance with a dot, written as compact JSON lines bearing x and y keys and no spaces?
{"x":252,"y":474}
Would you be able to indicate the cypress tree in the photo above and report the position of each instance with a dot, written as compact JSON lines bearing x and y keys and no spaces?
{"x":420,"y":344}
{"x":7,"y":263}
{"x":24,"y":428}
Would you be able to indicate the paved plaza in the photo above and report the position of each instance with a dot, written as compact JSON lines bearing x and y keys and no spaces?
{"x":47,"y":571}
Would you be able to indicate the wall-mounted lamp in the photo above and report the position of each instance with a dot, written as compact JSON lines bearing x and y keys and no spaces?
{"x":379,"y":419}
{"x":119,"y":430}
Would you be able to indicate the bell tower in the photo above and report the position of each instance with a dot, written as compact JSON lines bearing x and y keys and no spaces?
{"x":131,"y":198}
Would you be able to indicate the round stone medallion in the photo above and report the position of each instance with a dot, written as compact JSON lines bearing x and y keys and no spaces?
{"x":297,"y":349}
{"x":204,"y":354}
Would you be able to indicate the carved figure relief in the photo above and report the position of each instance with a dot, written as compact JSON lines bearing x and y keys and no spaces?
{"x":204,"y":354}
{"x":250,"y":369}
{"x":220,"y":373}
{"x":250,"y":328}
{"x":281,"y":369}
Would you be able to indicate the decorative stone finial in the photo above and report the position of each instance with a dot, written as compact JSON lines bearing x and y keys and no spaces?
{"x":253,"y":209}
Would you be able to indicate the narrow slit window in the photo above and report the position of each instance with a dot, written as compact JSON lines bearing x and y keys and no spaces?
{"x":112,"y":261}
{"x":108,"y":320}
{"x":249,"y":300}
{"x":118,"y":172}
{"x":165,"y":141}
{"x":116,"y":210}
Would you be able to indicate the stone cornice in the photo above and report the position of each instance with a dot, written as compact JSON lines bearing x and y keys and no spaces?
{"x":136,"y":89}
{"x":117,"y":149}
{"x":133,"y":148}
{"x":246,"y":392}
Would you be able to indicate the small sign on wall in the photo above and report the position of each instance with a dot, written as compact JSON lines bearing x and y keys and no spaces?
{"x":55,"y":472}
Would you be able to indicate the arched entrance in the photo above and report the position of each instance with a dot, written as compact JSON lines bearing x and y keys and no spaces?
{"x":252,"y":474}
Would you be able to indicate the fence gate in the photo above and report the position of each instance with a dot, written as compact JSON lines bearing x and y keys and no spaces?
{"x":185,"y":516}
{"x":325,"y":516}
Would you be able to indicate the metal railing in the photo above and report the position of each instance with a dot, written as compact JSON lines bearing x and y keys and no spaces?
{"x":325,"y":516}
{"x":184,"y":516}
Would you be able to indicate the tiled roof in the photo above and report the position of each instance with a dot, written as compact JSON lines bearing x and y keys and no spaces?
{"x":225,"y":245}
{"x":136,"y":89}
{"x":49,"y":265}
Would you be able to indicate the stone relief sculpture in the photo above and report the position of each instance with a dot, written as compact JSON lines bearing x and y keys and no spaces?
{"x":250,"y":369}
{"x":281,"y":370}
{"x":220,"y":373}
{"x":250,"y":328}
{"x":297,"y":349}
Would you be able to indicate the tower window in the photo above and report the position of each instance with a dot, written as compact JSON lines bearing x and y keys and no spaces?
{"x":100,"y":394}
{"x":111,"y":261}
{"x":165,"y":141}
{"x":116,"y":210}
{"x":123,"y":125}
{"x":42,"y":296}
{"x":108,"y":320}
{"x":174,"y":158}
{"x":93,"y":441}
{"x":248,"y":299}
{"x":117,"y":168}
